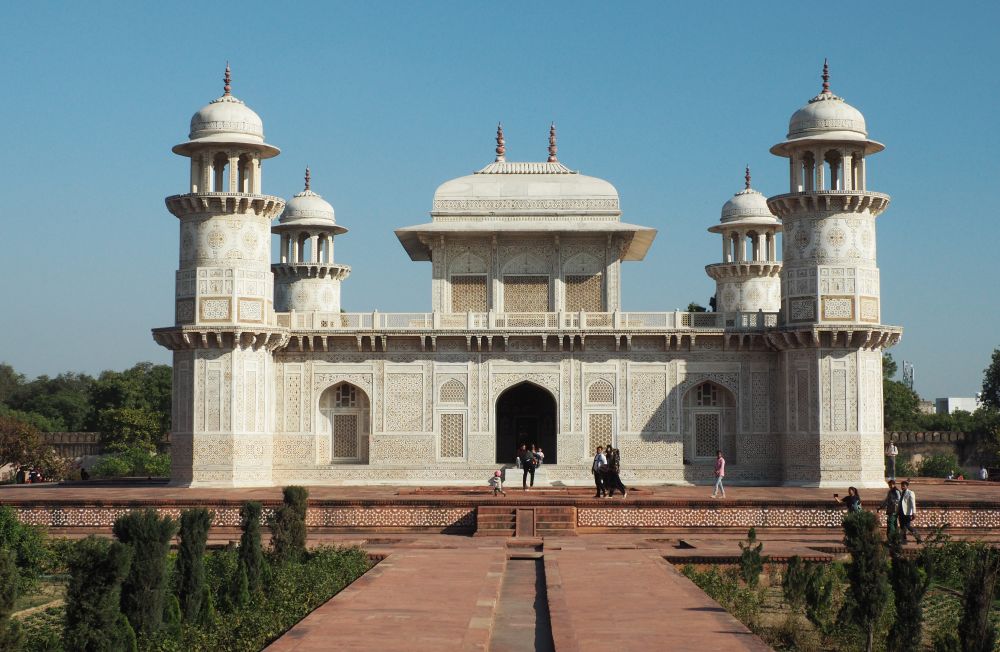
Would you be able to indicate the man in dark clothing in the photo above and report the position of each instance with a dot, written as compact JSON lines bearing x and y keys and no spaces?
{"x":611,"y":479}
{"x":891,"y":506}
{"x":528,"y":465}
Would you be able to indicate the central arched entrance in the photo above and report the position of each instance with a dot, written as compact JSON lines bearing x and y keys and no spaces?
{"x":526,"y":414}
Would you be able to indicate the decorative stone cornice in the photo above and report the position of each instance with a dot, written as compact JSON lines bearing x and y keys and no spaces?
{"x":831,"y":337}
{"x":234,"y":203}
{"x":755,"y":269}
{"x":335,"y":271}
{"x":829,"y":201}
{"x":184,"y":338}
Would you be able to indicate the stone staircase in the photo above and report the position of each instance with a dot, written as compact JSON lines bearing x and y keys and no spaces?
{"x":532,"y":521}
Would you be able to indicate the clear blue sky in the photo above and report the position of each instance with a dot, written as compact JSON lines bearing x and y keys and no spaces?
{"x":387,"y":100}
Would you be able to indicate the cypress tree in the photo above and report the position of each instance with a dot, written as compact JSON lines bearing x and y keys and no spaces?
{"x":251,"y":555}
{"x":868,"y":590}
{"x":145,"y":587}
{"x":751,"y":561}
{"x":191,"y":561}
{"x":11,"y":636}
{"x":288,"y":527}
{"x":172,"y":617}
{"x":794,"y":583}
{"x":94,"y":620}
{"x":819,"y":596}
{"x":909,"y":584}
{"x":975,"y":630}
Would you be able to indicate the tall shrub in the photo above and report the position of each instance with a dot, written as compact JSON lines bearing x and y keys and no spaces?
{"x":751,"y":561}
{"x":794,"y":583}
{"x":145,"y":587}
{"x":94,"y":620}
{"x":288,"y":527}
{"x":868,"y":590}
{"x":251,"y":555}
{"x":909,"y":583}
{"x":11,"y":636}
{"x":27,"y":544}
{"x":975,"y":630}
{"x":191,"y":561}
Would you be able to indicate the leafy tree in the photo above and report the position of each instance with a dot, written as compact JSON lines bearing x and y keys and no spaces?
{"x":820,"y":583}
{"x":938,"y":466}
{"x":751,"y":561}
{"x":145,"y":387}
{"x":975,"y":630}
{"x":94,"y":620}
{"x":65,"y":399}
{"x":909,"y":584}
{"x":11,"y":636}
{"x":901,"y":406}
{"x":794,"y":583}
{"x":145,"y":588}
{"x":129,"y":428}
{"x":251,"y":555}
{"x":27,"y":544}
{"x":991,"y":383}
{"x":10,"y":381}
{"x":191,"y":562}
{"x":40,"y":422}
{"x":868,"y":590}
{"x":696,"y":307}
{"x":889,"y":366}
{"x":288,"y":527}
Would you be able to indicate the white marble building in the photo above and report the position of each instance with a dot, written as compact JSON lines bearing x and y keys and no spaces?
{"x":526,"y":339}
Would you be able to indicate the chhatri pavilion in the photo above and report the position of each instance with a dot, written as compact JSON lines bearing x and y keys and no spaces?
{"x":526,"y":340}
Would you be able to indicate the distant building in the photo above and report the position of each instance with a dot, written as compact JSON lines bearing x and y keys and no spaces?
{"x":927,"y":407}
{"x":951,"y":404}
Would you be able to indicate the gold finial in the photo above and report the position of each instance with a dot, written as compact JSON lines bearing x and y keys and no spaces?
{"x":228,"y":79}
{"x":826,"y":76}
{"x":747,"y":177}
{"x":552,"y":143}
{"x":307,"y":177}
{"x":500,"y":142}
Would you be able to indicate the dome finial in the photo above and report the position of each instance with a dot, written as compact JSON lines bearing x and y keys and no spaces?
{"x":228,"y":79}
{"x":552,"y":143}
{"x":501,"y":150}
{"x":307,"y":177}
{"x":747,"y":177}
{"x":826,"y":76}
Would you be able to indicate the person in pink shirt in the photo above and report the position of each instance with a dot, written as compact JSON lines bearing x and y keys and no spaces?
{"x":720,"y":472}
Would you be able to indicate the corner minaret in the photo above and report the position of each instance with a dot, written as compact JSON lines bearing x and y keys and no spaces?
{"x":747,"y":278}
{"x":832,"y":337}
{"x":224,"y":328}
{"x":307,"y":278}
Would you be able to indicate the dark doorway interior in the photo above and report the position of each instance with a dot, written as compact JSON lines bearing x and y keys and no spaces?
{"x":526,"y":414}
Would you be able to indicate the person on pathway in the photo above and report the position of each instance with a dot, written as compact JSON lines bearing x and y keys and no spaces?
{"x":519,"y":454}
{"x":540,"y":456}
{"x":891,"y":506}
{"x":528,"y":466}
{"x":599,"y":467}
{"x":852,"y":500}
{"x":720,"y":473}
{"x":612,"y":479}
{"x":891,"y":452}
{"x":907,"y":510}
{"x":983,"y":473}
{"x":497,"y":483}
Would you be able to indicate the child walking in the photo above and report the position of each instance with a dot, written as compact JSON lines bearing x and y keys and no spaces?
{"x":497,"y":483}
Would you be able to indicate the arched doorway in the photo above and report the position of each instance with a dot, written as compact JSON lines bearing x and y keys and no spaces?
{"x":710,"y":415}
{"x":526,"y":414}
{"x":345,"y":409}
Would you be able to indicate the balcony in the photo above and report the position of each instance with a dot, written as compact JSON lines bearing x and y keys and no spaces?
{"x":631,"y":322}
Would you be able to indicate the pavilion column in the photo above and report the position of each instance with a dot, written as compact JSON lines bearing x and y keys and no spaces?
{"x":847,"y":162}
{"x":284,"y":248}
{"x":234,"y":173}
{"x":295,"y":250}
{"x":314,"y":248}
{"x":329,"y":248}
{"x":820,"y":172}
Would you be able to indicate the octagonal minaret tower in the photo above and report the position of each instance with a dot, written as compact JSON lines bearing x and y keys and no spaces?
{"x":747,"y":278}
{"x":307,"y":278}
{"x":832,"y":337}
{"x":224,"y":327}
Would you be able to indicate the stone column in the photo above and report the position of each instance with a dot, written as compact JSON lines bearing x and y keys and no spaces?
{"x":314,"y":248}
{"x":283,"y":251}
{"x":234,"y":173}
{"x":820,"y":171}
{"x":725,"y":248}
{"x":329,"y":248}
{"x":846,"y":161}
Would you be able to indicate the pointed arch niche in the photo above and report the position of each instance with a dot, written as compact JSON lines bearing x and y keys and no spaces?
{"x":709,"y":423}
{"x":346,"y":411}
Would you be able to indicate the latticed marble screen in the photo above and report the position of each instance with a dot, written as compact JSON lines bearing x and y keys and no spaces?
{"x":453,"y":435}
{"x":468,"y":293}
{"x":706,"y":434}
{"x":453,"y":392}
{"x":583,"y":293}
{"x":601,"y":391}
{"x":345,"y":435}
{"x":599,"y":430}
{"x":526,"y":293}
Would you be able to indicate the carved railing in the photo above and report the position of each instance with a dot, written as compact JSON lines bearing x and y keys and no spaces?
{"x":528,"y":321}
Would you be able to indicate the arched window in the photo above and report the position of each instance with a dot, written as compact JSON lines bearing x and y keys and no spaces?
{"x":835,"y":168}
{"x":345,"y":408}
{"x":453,"y":391}
{"x":220,"y":178}
{"x":710,"y":422}
{"x":601,"y":391}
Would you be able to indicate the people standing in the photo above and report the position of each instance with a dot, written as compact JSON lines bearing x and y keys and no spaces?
{"x":891,"y":506}
{"x":540,"y":456}
{"x":891,"y":452}
{"x":720,"y":473}
{"x":528,"y":466}
{"x":519,"y":454}
{"x":598,"y":468}
{"x":907,"y":510}
{"x":983,"y":473}
{"x":852,"y":500}
{"x":612,"y":479}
